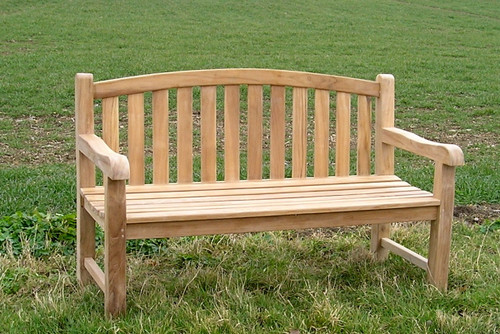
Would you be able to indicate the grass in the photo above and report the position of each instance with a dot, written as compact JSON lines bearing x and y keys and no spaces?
{"x":318,"y":282}
{"x":445,"y":60}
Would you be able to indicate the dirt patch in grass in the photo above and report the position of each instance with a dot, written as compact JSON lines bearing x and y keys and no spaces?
{"x":50,"y":139}
{"x":477,"y":214}
{"x":469,"y":140}
{"x":36,"y":140}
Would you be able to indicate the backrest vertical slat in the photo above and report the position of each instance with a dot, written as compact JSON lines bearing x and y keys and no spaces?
{"x":208,"y":134}
{"x":160,"y":137}
{"x":136,"y":138}
{"x":299,"y":132}
{"x":110,"y":122}
{"x":364,"y":134}
{"x":321,"y":129}
{"x":255,"y":130}
{"x":232,"y":132}
{"x":384,"y":117}
{"x":277,"y":147}
{"x":185,"y":135}
{"x":343,"y":134}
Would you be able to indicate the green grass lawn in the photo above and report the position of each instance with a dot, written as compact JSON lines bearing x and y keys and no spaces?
{"x":445,"y":58}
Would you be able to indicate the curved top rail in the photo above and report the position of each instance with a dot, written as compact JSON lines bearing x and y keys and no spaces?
{"x":238,"y":76}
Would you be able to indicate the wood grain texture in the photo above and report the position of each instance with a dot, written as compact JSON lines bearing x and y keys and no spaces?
{"x":208,"y":134}
{"x":448,"y":154}
{"x":255,"y":131}
{"x":84,"y":103}
{"x":85,"y":242}
{"x":96,"y":272}
{"x":321,"y":133}
{"x":112,"y":164}
{"x":277,"y":146}
{"x":275,"y":223}
{"x":221,"y":196}
{"x":236,"y":76}
{"x":114,"y":248}
{"x":343,"y":134}
{"x":110,"y":123}
{"x":379,"y":232}
{"x":160,"y":137}
{"x":440,"y":235}
{"x":384,"y":118}
{"x":232,"y":133}
{"x":264,"y":198}
{"x":136,"y":138}
{"x":384,"y":154}
{"x":85,"y":174}
{"x":353,"y":179}
{"x":184,"y":135}
{"x":274,"y":208}
{"x":299,"y":133}
{"x":404,"y":252}
{"x":364,"y":135}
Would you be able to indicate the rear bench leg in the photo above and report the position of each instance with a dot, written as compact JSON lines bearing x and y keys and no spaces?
{"x":440,"y":235}
{"x":85,"y":243}
{"x":115,"y":248}
{"x":378,"y":232}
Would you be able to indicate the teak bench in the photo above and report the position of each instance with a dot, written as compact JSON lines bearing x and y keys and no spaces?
{"x":266,"y":122}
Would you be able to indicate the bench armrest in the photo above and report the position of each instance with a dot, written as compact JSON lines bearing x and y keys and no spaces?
{"x":447,"y":154}
{"x":112,"y":164}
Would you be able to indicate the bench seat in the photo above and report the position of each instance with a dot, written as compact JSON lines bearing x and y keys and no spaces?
{"x":148,"y":204}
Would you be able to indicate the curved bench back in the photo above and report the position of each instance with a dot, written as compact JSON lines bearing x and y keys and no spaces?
{"x":233,"y":124}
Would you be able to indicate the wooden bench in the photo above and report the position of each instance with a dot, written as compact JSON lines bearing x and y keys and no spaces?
{"x":247,"y":150}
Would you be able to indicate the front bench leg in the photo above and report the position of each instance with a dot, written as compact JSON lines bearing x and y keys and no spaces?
{"x":115,"y":248}
{"x":440,"y":235}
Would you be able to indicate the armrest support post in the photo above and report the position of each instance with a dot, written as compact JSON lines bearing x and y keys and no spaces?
{"x":440,"y":235}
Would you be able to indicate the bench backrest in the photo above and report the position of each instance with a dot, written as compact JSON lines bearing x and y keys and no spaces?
{"x":211,"y":125}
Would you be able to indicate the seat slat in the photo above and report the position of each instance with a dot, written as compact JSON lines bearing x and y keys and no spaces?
{"x":281,"y":209}
{"x":160,"y":137}
{"x":239,"y":209}
{"x":359,"y":187}
{"x":255,"y":130}
{"x":261,"y":200}
{"x":253,"y":184}
{"x":244,"y":200}
{"x":277,"y":149}
{"x":136,"y":138}
{"x":185,"y":135}
{"x":299,"y":207}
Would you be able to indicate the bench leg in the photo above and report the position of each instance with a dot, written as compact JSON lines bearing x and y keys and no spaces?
{"x":378,"y":232}
{"x":115,"y":248}
{"x":440,"y":235}
{"x":85,"y":243}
